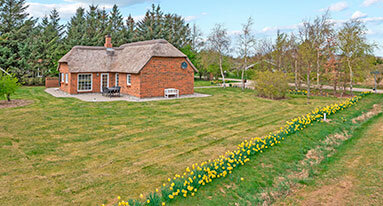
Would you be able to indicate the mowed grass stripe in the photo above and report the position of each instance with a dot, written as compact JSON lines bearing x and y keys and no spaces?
{"x":56,"y":145}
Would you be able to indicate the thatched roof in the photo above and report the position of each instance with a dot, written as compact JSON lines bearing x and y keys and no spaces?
{"x":128,"y":58}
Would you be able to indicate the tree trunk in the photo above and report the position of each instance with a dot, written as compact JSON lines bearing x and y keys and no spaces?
{"x":8,"y":97}
{"x":243,"y":73}
{"x":220,"y":67}
{"x":344,"y":86}
{"x":308,"y":85}
{"x":243,"y":81}
{"x":335,"y":82}
{"x":351,"y":75}
{"x":296,"y":75}
{"x":318,"y":70}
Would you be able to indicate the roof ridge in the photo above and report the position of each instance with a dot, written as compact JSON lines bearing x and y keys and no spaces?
{"x":94,"y":47}
{"x":147,"y":42}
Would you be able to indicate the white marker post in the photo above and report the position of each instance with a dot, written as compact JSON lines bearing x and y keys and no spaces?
{"x":324,"y":117}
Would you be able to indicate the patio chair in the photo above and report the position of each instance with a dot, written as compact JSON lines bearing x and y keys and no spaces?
{"x":105,"y":91}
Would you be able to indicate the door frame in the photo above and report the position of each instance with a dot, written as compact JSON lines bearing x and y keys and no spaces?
{"x":107,"y":82}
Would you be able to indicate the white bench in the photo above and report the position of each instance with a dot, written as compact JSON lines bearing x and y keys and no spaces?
{"x":172,"y":91}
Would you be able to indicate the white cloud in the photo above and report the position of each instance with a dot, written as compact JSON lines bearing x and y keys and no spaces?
{"x":69,"y":7}
{"x":376,"y":20}
{"x":65,"y":10}
{"x":367,"y":3}
{"x":190,"y":18}
{"x":358,"y":14}
{"x":340,"y":6}
{"x":288,"y":28}
{"x":121,"y":3}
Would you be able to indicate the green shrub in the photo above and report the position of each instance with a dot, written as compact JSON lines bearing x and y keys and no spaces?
{"x":33,"y":81}
{"x":273,"y":85}
{"x":8,"y":86}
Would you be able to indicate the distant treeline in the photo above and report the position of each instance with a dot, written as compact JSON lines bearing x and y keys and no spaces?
{"x":31,"y":47}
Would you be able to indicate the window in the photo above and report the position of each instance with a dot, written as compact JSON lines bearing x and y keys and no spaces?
{"x":62,"y":77}
{"x":66,"y":78}
{"x":84,"y":82}
{"x":117,"y":78}
{"x":128,"y":80}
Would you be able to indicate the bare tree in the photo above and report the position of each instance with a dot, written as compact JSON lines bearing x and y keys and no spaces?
{"x":307,"y":52}
{"x":219,"y":42}
{"x":197,"y":41}
{"x":353,"y":45}
{"x":246,"y":46}
{"x":293,"y":45}
{"x":321,"y":30}
{"x":280,"y":50}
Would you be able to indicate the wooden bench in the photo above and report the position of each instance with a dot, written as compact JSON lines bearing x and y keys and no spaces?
{"x":172,"y":91}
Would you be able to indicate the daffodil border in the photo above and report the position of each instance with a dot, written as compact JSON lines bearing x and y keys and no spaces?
{"x":199,"y":175}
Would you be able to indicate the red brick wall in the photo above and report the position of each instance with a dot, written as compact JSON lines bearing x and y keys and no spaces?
{"x":160,"y":73}
{"x":134,"y":88}
{"x":71,"y":86}
{"x":164,"y":72}
{"x":63,"y":69}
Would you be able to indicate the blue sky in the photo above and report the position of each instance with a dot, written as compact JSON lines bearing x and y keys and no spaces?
{"x":269,"y":16}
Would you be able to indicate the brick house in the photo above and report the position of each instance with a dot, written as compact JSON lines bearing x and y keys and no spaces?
{"x":141,"y":69}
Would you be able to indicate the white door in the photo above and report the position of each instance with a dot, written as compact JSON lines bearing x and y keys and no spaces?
{"x":104,"y":81}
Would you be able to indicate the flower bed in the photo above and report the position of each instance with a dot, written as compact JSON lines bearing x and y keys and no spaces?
{"x":312,"y":92}
{"x":198,"y":175}
{"x":298,"y":92}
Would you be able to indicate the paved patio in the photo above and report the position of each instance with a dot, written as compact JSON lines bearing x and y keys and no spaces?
{"x":97,"y":97}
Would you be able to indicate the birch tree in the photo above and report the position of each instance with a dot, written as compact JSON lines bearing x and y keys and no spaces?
{"x":321,"y":30}
{"x":353,"y":46}
{"x":246,"y":46}
{"x":307,"y":53}
{"x":219,"y":42}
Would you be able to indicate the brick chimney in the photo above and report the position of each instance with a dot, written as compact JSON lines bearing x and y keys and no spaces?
{"x":108,"y":41}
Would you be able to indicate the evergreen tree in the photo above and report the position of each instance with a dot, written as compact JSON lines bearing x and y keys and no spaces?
{"x":76,"y":30}
{"x":130,"y":35}
{"x":157,"y":25}
{"x":103,"y":19}
{"x":15,"y":30}
{"x":47,"y":46}
{"x":176,"y":31}
{"x":151,"y":26}
{"x":93,"y":34}
{"x":117,"y":28}
{"x":12,"y":15}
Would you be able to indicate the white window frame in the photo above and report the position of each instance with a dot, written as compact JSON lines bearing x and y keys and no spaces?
{"x":117,"y":79}
{"x":128,"y":79}
{"x":91,"y":82}
{"x":62,"y":77}
{"x":66,"y":78}
{"x":107,"y":83}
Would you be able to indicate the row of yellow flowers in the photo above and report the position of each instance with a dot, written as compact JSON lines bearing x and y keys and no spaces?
{"x":304,"y":92}
{"x":198,"y":175}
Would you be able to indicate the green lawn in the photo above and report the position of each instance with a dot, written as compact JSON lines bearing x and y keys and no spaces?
{"x":351,"y":177}
{"x":64,"y":151}
{"x":267,"y":170}
{"x":203,"y":83}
